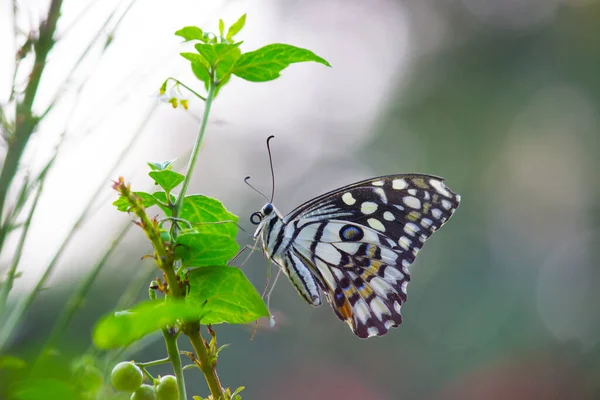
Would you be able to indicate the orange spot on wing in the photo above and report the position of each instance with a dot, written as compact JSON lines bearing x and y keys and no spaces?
{"x":345,"y":310}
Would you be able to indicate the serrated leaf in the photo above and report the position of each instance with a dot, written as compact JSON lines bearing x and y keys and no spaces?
{"x":227,"y":294}
{"x":148,"y":200}
{"x":266,"y":63}
{"x":167,"y":180}
{"x":125,"y":327}
{"x":191,"y":33}
{"x":204,"y":249}
{"x":221,"y":27}
{"x":236,"y":27}
{"x":163,"y":165}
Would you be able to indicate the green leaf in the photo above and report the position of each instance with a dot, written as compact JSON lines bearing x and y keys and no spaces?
{"x":266,"y":63}
{"x":200,"y":67}
{"x":160,"y":166}
{"x":235,"y":28}
{"x":202,"y":212}
{"x":212,"y":241}
{"x":203,"y":249}
{"x":148,"y":200}
{"x":125,"y":327}
{"x":11,"y":362}
{"x":221,"y":27}
{"x":42,"y":389}
{"x":214,"y":53}
{"x":167,"y":180}
{"x":191,"y":33}
{"x":227,"y":294}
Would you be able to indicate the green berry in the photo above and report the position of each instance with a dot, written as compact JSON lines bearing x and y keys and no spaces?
{"x":144,"y":392}
{"x":126,"y":377}
{"x":167,"y":388}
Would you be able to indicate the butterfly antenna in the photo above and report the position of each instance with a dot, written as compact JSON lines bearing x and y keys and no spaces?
{"x":246,"y":179}
{"x":272,"y":170}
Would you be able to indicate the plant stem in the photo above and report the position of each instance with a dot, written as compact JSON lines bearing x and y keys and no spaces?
{"x":25,"y":121}
{"x":77,"y":298}
{"x":194,"y":157}
{"x":188,"y":88}
{"x":153,"y":363}
{"x":175,"y":358}
{"x":192,"y":331}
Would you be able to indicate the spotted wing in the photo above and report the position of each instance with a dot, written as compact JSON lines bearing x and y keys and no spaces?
{"x":360,"y":239}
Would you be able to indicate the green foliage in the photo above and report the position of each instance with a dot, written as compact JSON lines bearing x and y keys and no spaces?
{"x":125,"y":327}
{"x":168,"y":180}
{"x":160,"y":166}
{"x":236,"y":27}
{"x":200,"y":249}
{"x":266,"y":63}
{"x":42,"y":389}
{"x":148,"y":200}
{"x":227,"y":294}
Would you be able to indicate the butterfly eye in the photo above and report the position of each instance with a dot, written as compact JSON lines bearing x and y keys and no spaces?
{"x":255,"y":218}
{"x":267,"y":209}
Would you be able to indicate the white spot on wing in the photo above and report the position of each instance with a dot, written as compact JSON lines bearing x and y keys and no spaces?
{"x":426,"y":222}
{"x":372,"y":331}
{"x":446,"y":204}
{"x":399,"y":184}
{"x":397,"y":307}
{"x":437,"y":214}
{"x":379,"y":308}
{"x":328,"y":253}
{"x":381,"y":287}
{"x":388,"y":216}
{"x":392,"y":275}
{"x":411,"y":228}
{"x":348,"y":198}
{"x":368,"y":207}
{"x":388,"y":324}
{"x":378,"y":183}
{"x":376,"y":224}
{"x":412,"y":202}
{"x":412,"y":192}
{"x":440,"y":187}
{"x":361,"y":311}
{"x":404,"y":242}
{"x":458,"y":198}
{"x":326,"y":272}
{"x":381,"y":194}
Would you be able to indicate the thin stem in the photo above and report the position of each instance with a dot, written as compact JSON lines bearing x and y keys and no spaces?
{"x":175,"y":358}
{"x":16,"y":316}
{"x":192,"y":331}
{"x":12,"y":272}
{"x":78,"y":297}
{"x":148,"y":375}
{"x":153,"y":363}
{"x":194,"y":157}
{"x":187,"y":87}
{"x":25,"y":121}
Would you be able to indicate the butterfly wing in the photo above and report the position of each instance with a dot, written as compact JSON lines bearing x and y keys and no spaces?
{"x":359,"y":240}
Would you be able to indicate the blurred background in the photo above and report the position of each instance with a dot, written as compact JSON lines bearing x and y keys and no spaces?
{"x":500,"y":97}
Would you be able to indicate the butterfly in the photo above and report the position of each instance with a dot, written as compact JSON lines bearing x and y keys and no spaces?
{"x":355,"y":243}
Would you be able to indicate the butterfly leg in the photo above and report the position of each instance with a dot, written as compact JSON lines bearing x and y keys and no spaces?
{"x":252,"y":249}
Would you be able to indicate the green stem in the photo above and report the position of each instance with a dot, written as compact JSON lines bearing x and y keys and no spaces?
{"x":153,"y":363}
{"x":77,"y":299}
{"x":187,"y":87}
{"x":194,"y":157}
{"x":175,"y":358}
{"x":25,"y":121}
{"x":192,"y":331}
{"x":12,"y":272}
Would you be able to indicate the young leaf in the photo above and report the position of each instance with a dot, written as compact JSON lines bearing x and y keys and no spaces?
{"x":200,"y":67}
{"x":266,"y":63}
{"x":160,"y":166}
{"x":236,"y":27}
{"x":167,"y":180}
{"x":148,"y":200}
{"x":191,"y":33}
{"x":213,"y":53}
{"x":227,"y":296}
{"x":125,"y":327}
{"x":221,"y":27}
{"x":204,"y":249}
{"x":208,"y":215}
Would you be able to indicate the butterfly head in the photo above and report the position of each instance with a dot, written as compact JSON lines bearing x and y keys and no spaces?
{"x":266,"y":213}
